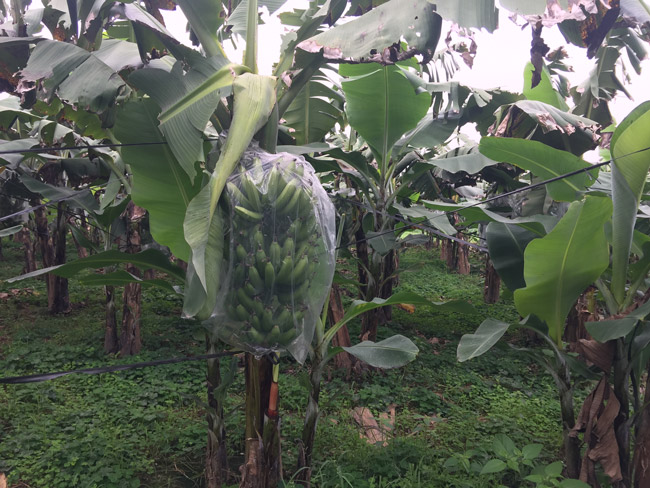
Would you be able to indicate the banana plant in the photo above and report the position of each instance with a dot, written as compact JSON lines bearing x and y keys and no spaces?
{"x":592,"y":244}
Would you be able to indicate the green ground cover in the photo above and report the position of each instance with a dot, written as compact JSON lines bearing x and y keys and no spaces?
{"x":146,"y":427}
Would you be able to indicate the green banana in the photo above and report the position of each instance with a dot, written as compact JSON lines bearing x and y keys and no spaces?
{"x":250,"y":290}
{"x":269,"y":276}
{"x":284,"y":273}
{"x":275,"y":254}
{"x":239,"y":275}
{"x":300,"y":271}
{"x":275,"y":184}
{"x":258,"y":238}
{"x":273,"y":337}
{"x":260,"y":260}
{"x":286,"y":195}
{"x":256,"y":337}
{"x":245,"y":300}
{"x":288,"y":247}
{"x":238,"y":196}
{"x":252,"y":193}
{"x":267,"y":320}
{"x":291,"y":206}
{"x":283,"y":318}
{"x":255,"y":278}
{"x":241,"y":312}
{"x":287,"y":337}
{"x":241,"y":253}
{"x":278,"y":243}
{"x":246,"y":214}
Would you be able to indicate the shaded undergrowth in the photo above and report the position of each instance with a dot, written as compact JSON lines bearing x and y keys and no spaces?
{"x":146,"y":427}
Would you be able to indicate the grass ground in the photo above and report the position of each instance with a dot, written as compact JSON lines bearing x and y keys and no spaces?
{"x":146,"y":427}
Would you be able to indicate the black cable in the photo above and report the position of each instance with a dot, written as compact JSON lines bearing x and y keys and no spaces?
{"x":36,"y":207}
{"x":89,"y":146}
{"x":417,"y":225}
{"x":68,"y":212}
{"x":491,"y":199}
{"x":37,"y":378}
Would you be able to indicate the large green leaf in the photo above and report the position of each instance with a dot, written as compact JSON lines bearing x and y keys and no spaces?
{"x":558,"y":267}
{"x":79,"y":198}
{"x":591,"y":97}
{"x":200,"y":300}
{"x":151,"y":258}
{"x":537,"y":224}
{"x":370,"y":36}
{"x":629,"y":173}
{"x":486,"y":336}
{"x":507,"y":243}
{"x":525,"y":7}
{"x":159,"y":183}
{"x":544,"y":91}
{"x":254,"y":97}
{"x":9,"y":231}
{"x":636,"y":10}
{"x":78,"y":76}
{"x":205,"y":18}
{"x":308,"y":21}
{"x":543,"y":161}
{"x":187,"y":102}
{"x":394,"y":352}
{"x":430,"y":132}
{"x":530,"y":119}
{"x":381,"y":105}
{"x":238,"y":18}
{"x":465,"y":158}
{"x":469,"y":13}
{"x":314,"y":112}
{"x":11,"y":158}
{"x":436,"y":218}
{"x":359,"y":307}
{"x":121,"y":278}
{"x":606,"y":330}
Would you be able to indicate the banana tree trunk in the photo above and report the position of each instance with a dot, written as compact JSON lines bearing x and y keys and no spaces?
{"x":492,"y":287}
{"x":130,"y":339}
{"x":24,"y":237}
{"x":621,"y":384}
{"x":642,"y":445}
{"x":335,"y":313}
{"x":216,"y":462}
{"x":53,"y":253}
{"x":111,"y":344}
{"x":572,"y":457}
{"x":262,"y":463}
{"x":380,"y":285}
{"x":363,"y":261}
{"x":306,"y":448}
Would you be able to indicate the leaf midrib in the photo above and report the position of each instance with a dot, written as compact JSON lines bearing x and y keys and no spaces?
{"x":169,"y":161}
{"x":534,"y":163}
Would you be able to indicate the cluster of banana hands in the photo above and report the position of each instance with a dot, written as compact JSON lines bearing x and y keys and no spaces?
{"x":276,"y":252}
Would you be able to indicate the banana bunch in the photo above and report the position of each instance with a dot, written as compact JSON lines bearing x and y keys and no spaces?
{"x":275,"y":252}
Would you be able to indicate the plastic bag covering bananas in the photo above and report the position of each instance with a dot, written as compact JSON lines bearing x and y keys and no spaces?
{"x":281,"y":255}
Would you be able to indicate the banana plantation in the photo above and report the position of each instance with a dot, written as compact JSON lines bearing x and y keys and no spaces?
{"x":353,"y":271}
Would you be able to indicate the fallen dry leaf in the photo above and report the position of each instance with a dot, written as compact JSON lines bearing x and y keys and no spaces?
{"x":408,"y":308}
{"x":371,"y":430}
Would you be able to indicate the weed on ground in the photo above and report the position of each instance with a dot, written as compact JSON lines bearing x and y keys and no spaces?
{"x":146,"y":427}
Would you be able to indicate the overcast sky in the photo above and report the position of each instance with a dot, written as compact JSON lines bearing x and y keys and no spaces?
{"x":499,"y":62}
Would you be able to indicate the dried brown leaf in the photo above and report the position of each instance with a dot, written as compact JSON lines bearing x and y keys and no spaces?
{"x":596,"y":420}
{"x":601,"y":355}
